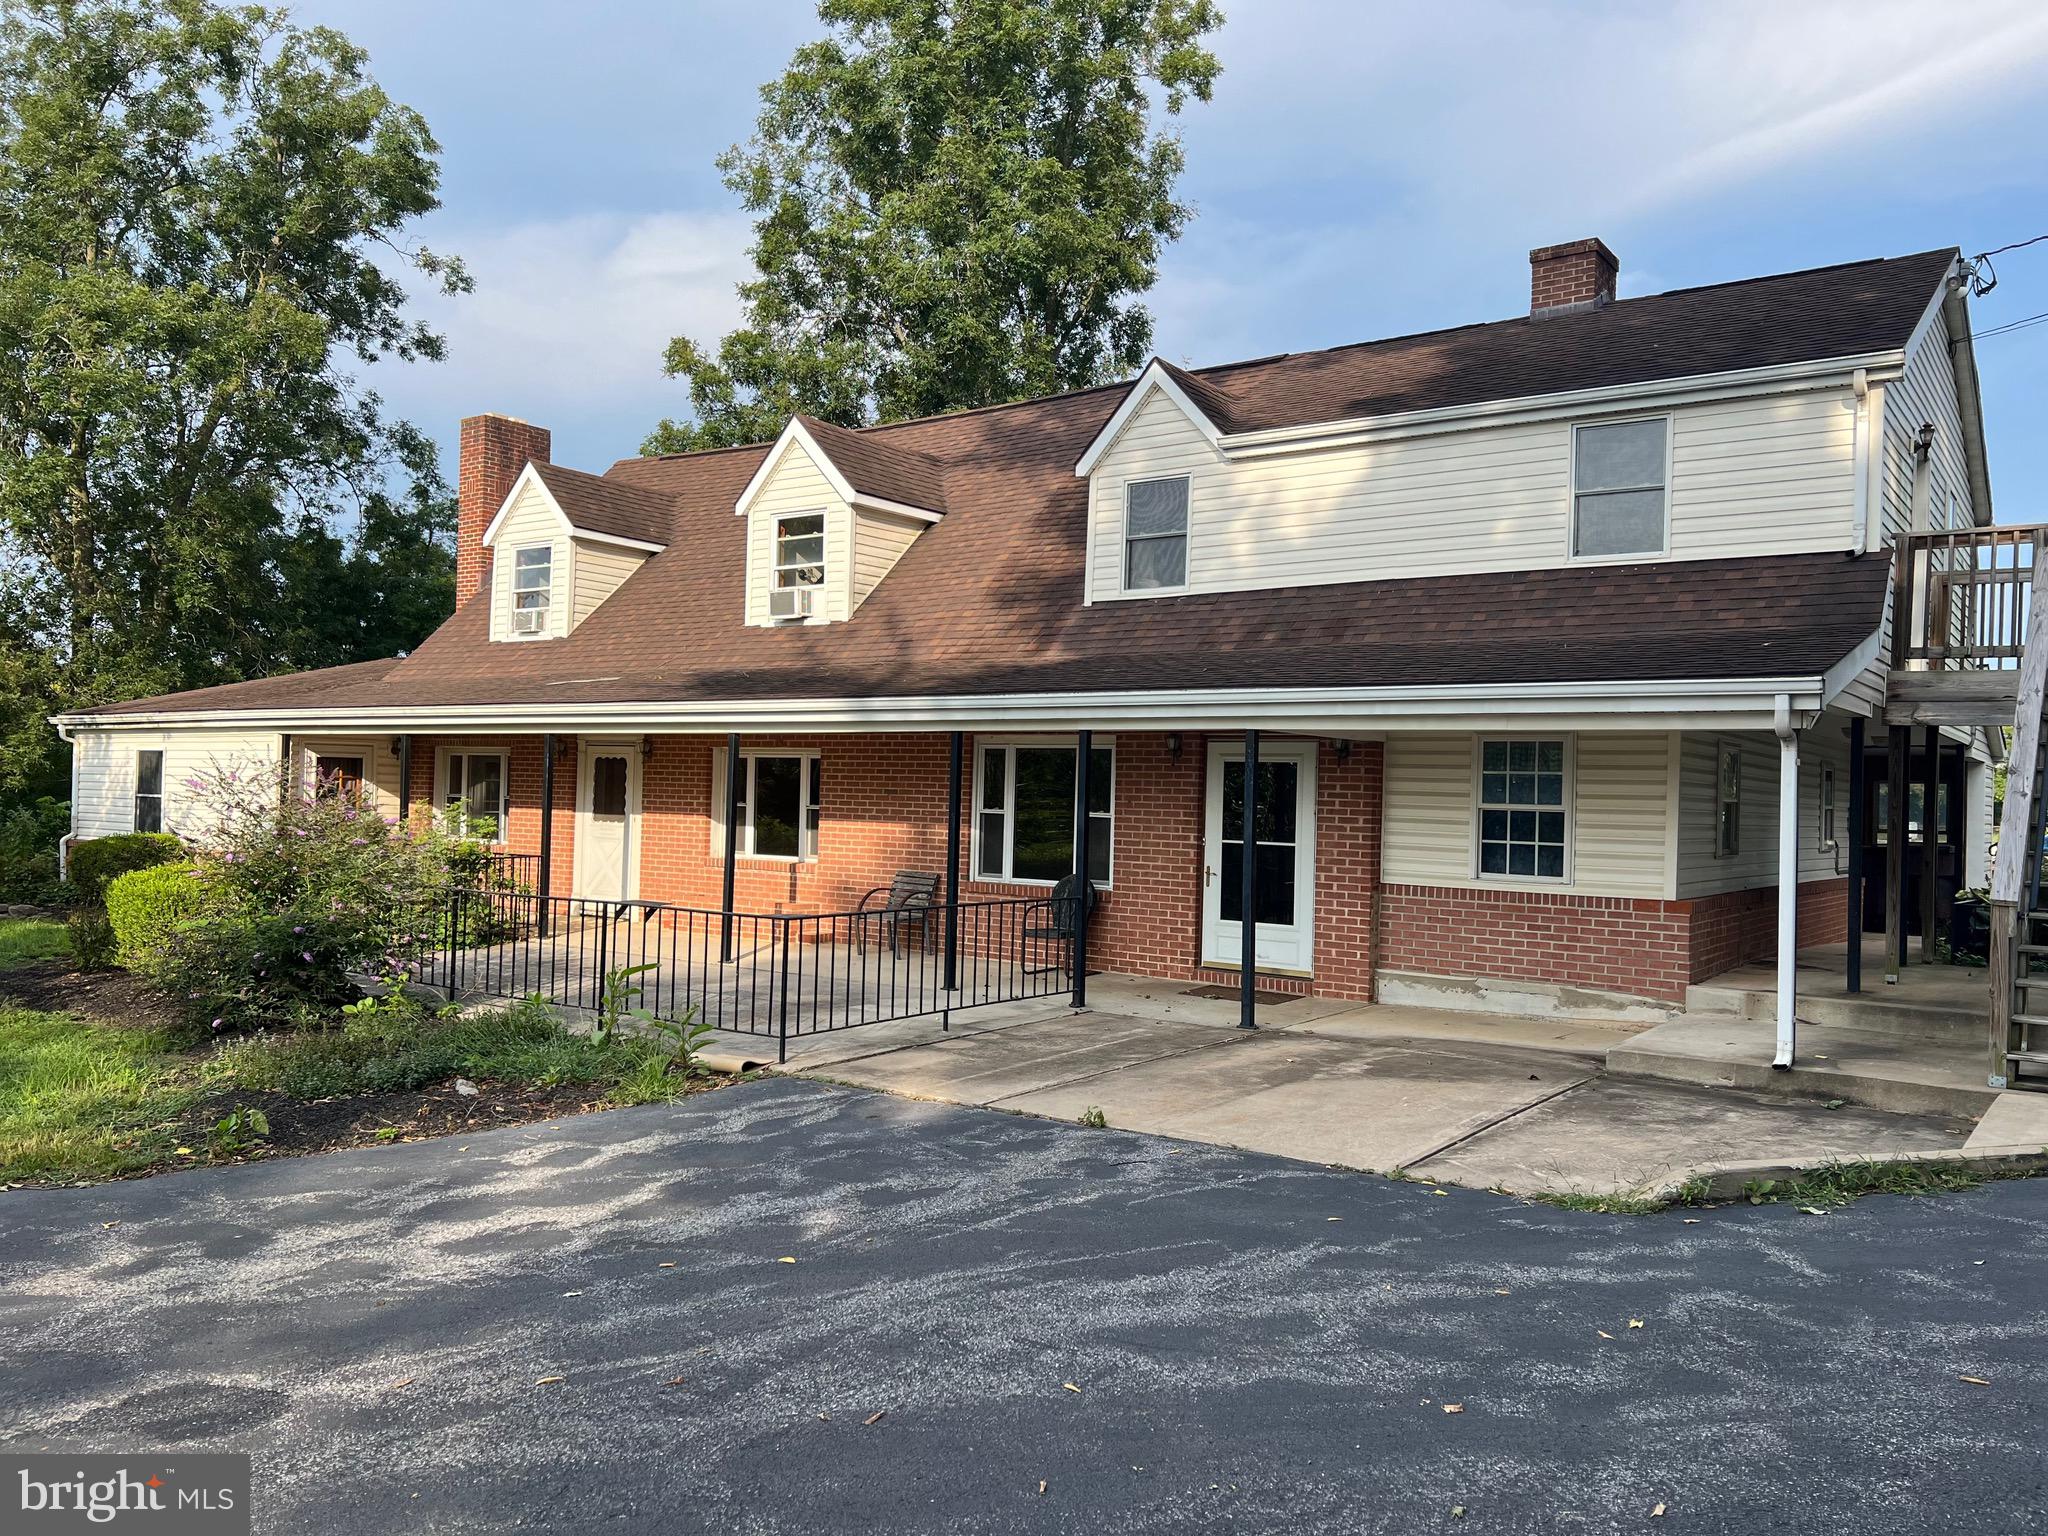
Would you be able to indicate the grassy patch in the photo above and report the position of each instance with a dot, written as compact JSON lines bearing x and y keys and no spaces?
{"x":23,"y":939}
{"x":1606,"y":1205}
{"x":82,"y":1099}
{"x":1836,"y":1184}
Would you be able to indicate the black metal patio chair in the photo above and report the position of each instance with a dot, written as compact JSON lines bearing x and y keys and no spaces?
{"x":1054,"y":920}
{"x":907,"y":905}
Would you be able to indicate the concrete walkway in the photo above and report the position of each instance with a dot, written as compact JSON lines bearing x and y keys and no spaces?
{"x":1473,"y":1099}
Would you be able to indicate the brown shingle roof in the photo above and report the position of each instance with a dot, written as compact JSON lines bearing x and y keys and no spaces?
{"x":988,"y":600}
{"x":875,"y":467}
{"x":599,"y":504}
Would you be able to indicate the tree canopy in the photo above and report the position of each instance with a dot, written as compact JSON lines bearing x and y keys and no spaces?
{"x":957,"y":203}
{"x":202,"y":219}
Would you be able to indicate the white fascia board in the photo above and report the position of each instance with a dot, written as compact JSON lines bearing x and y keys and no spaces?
{"x":1932,"y":313}
{"x":528,"y":475}
{"x":1153,"y":378}
{"x":1654,"y":705}
{"x":893,"y":508}
{"x":617,"y":539}
{"x":1785,"y":378}
{"x":1851,"y":666}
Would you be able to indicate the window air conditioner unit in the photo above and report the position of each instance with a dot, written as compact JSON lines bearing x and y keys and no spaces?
{"x":791,"y":602}
{"x":529,"y":621}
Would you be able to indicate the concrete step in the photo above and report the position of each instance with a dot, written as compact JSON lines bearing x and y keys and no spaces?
{"x":1873,"y":1012}
{"x":1879,"y":1068}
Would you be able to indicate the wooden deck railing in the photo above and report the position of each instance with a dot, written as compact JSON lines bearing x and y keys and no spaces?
{"x":1962,"y":597}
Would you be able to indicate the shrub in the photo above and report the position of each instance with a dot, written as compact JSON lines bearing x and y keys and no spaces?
{"x":28,"y":851}
{"x":98,"y":860}
{"x":235,"y":969}
{"x":92,"y":939}
{"x":146,"y":906}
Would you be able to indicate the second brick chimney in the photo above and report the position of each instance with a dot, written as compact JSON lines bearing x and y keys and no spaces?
{"x":1576,"y":275}
{"x":493,"y":450}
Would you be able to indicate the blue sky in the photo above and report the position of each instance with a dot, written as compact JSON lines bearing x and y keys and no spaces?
{"x":1365,"y":170}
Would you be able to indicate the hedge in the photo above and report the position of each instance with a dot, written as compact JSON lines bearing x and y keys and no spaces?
{"x":98,"y":860}
{"x":145,"y":906}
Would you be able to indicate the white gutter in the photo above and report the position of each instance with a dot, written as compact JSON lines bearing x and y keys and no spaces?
{"x":1650,"y":704}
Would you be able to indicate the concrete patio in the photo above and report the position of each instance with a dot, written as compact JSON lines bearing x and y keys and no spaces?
{"x":1530,"y":1106}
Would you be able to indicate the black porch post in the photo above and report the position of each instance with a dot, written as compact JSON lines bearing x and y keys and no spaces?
{"x":733,"y":769}
{"x":1248,"y":888}
{"x":287,"y":771}
{"x":405,"y":781}
{"x":1897,"y":744}
{"x":1930,"y":839}
{"x":1855,"y":957}
{"x":547,"y":827}
{"x":953,"y":862}
{"x":1084,"y":748}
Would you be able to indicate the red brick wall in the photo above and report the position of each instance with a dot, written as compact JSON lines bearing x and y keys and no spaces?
{"x":523,"y":781}
{"x":1621,"y":944}
{"x":492,"y":451}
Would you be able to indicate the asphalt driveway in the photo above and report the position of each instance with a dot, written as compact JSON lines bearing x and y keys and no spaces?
{"x":1260,"y":1345}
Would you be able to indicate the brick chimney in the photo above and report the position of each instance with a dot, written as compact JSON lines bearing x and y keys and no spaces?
{"x":1566,"y":278}
{"x":494,"y":449}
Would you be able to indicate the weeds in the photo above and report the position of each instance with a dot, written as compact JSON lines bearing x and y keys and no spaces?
{"x":1836,"y":1184}
{"x":1093,"y":1118}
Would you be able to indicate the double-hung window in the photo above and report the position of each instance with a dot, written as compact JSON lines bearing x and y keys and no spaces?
{"x":473,"y":794}
{"x":778,"y":807}
{"x":1156,"y":534}
{"x":1026,"y":816}
{"x":1618,"y":488}
{"x":1522,"y":810}
{"x":800,"y":550}
{"x":149,"y":791}
{"x":533,"y":588}
{"x":1728,"y":801}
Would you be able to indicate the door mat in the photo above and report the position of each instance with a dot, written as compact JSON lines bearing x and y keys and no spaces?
{"x":1261,"y":997}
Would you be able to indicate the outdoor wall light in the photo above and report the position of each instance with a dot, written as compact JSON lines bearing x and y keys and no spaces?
{"x":1343,"y":752}
{"x":1173,"y":745}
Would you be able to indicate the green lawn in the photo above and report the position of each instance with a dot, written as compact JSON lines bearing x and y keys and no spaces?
{"x":23,"y":939}
{"x":82,"y":1099}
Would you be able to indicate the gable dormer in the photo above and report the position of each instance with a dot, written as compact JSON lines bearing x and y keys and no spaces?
{"x":561,"y":544}
{"x":829,"y":513}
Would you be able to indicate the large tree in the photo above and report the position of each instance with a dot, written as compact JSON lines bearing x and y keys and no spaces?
{"x":202,"y":220}
{"x":957,"y":203}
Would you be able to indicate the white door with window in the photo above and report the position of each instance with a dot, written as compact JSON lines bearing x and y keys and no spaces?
{"x":1286,"y":853}
{"x":607,"y":812}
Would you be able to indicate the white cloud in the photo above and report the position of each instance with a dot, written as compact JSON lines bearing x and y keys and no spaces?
{"x":570,"y":316}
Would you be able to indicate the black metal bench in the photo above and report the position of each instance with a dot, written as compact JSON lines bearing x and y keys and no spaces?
{"x":908,"y":905}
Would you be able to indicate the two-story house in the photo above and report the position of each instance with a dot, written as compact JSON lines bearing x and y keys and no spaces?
{"x":1560,"y":642}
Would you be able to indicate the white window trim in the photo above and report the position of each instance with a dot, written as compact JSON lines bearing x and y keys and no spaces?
{"x":1722,"y":747}
{"x":441,"y":758}
{"x":973,"y":807}
{"x":1571,"y":496}
{"x":547,"y":629}
{"x":1569,"y":807}
{"x":1123,"y":540}
{"x":806,"y":843}
{"x":162,"y":795}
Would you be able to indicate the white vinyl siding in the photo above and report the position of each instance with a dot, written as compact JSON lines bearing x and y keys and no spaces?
{"x":1755,"y":863}
{"x":105,"y":801}
{"x":1769,"y":475}
{"x":1926,"y":393}
{"x":1619,"y":788}
{"x":879,"y":540}
{"x":796,"y":488}
{"x":380,"y":764}
{"x":599,"y":570}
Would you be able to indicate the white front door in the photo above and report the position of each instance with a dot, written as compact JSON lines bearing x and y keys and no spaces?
{"x":607,"y":805}
{"x":1286,"y":855}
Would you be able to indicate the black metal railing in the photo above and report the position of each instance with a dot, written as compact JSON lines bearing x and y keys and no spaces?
{"x":782,"y":976}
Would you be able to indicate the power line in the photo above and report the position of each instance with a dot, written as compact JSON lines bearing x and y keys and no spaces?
{"x":2011,"y":325}
{"x":1983,"y":277}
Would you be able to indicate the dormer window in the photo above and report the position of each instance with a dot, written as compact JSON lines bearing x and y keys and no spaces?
{"x":533,"y":589}
{"x":1156,"y":535}
{"x":799,"y":565}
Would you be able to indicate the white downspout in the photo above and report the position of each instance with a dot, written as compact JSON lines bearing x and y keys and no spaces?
{"x":64,"y":843}
{"x":1788,"y":880}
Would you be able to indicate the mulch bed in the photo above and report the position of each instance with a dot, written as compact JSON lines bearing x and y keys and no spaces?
{"x":114,"y":998}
